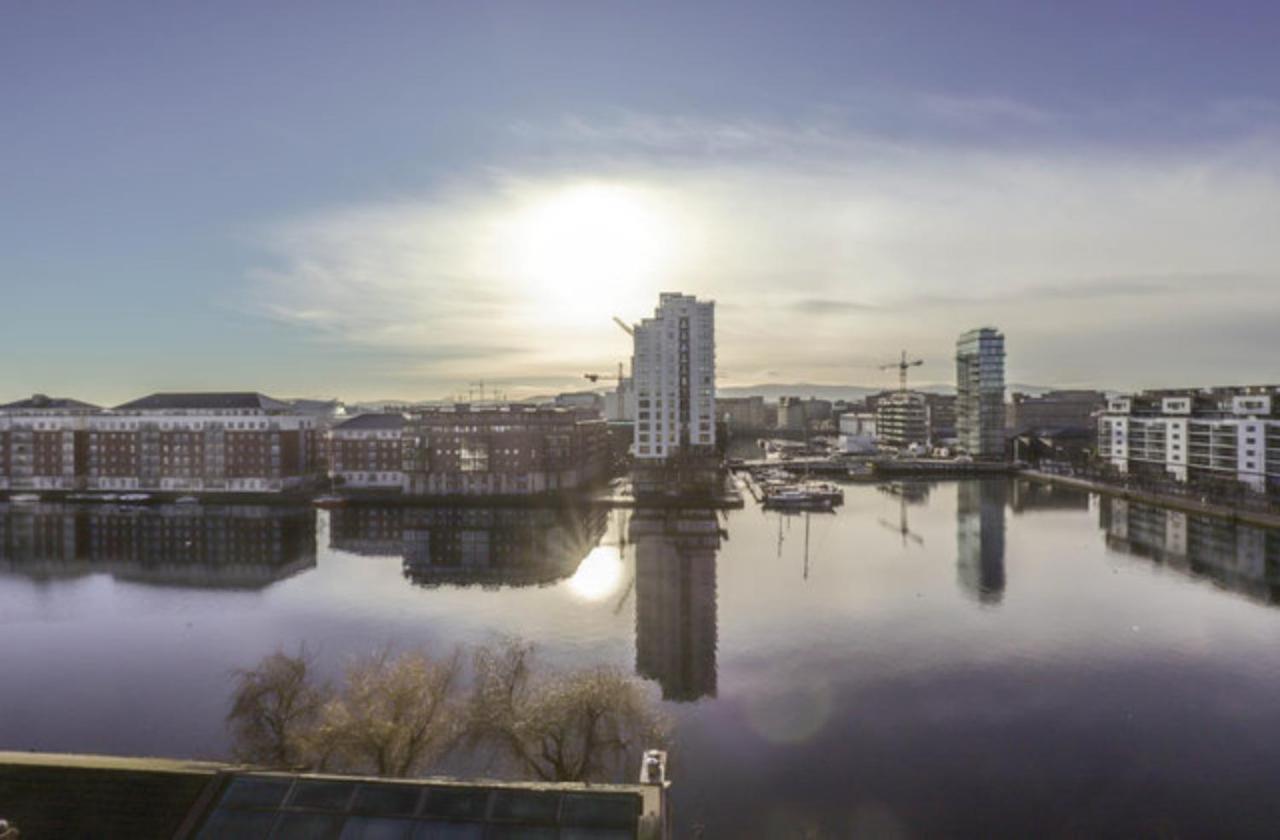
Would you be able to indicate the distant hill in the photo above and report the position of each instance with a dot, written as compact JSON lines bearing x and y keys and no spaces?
{"x":850,"y":393}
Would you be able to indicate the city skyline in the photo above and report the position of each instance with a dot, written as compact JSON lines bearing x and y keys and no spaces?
{"x":394,"y":203}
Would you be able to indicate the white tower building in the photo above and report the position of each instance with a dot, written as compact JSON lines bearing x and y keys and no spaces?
{"x":674,"y":371}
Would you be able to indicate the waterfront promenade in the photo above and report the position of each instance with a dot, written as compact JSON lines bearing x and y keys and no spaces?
{"x":1182,"y":501}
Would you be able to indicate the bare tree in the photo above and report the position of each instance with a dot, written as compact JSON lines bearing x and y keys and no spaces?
{"x":395,"y":715}
{"x":586,"y":725}
{"x":275,"y":712}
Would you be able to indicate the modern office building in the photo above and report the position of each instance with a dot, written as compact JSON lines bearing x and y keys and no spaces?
{"x":791,"y":414}
{"x":942,"y":418}
{"x":902,"y":420}
{"x":980,"y":393}
{"x":674,"y":368}
{"x":1208,"y":436}
{"x":1053,"y":411}
{"x":858,"y":433}
{"x":742,"y":413}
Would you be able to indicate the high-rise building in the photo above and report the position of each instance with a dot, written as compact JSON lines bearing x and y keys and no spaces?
{"x":980,"y":392}
{"x":675,"y":378}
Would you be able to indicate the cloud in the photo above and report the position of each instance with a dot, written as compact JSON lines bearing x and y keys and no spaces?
{"x":822,"y":246}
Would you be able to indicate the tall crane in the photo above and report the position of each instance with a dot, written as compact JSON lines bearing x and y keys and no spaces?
{"x":902,"y":369}
{"x":596,"y":377}
{"x":627,"y":328}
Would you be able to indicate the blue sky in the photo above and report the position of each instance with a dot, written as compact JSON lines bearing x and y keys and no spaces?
{"x":321,"y":199}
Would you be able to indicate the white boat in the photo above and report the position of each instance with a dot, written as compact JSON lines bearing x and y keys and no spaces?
{"x":186,"y":500}
{"x":797,"y":498}
{"x":134,"y":498}
{"x":25,"y":498}
{"x":826,"y":490}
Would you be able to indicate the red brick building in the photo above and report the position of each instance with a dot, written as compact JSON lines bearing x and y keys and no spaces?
{"x":367,"y":451}
{"x":44,"y":443}
{"x":184,"y":443}
{"x":511,"y":450}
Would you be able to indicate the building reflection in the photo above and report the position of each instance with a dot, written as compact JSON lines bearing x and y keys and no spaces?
{"x":980,"y":538}
{"x":512,"y":546}
{"x":1239,"y":557}
{"x":1025,"y":495}
{"x":228,"y":547}
{"x":676,"y":632}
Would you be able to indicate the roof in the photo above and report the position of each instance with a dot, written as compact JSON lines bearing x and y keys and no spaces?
{"x":207,"y":400}
{"x":49,"y":795}
{"x":371,"y":422}
{"x":40,"y":402}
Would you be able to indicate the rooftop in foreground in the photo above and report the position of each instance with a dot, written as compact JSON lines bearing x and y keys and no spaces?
{"x":54,"y":795}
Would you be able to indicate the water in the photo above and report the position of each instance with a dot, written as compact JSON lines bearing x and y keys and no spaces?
{"x":965,"y":659}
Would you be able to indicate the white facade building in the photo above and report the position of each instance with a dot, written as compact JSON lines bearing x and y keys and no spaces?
{"x":980,"y":392}
{"x":1192,"y":436}
{"x":674,"y":370}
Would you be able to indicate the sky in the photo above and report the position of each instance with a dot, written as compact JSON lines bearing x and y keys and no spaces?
{"x":396,"y":200}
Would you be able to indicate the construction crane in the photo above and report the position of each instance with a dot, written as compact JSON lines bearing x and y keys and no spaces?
{"x":626,"y":328}
{"x":596,"y":377}
{"x":902,"y":369}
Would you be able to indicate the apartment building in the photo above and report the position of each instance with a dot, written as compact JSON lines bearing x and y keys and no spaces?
{"x":43,"y":443}
{"x":674,"y":368}
{"x":185,"y":443}
{"x":510,"y":450}
{"x":368,"y":451}
{"x":1199,"y":437}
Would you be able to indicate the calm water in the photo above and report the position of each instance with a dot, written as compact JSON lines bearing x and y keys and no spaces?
{"x":972,"y":659}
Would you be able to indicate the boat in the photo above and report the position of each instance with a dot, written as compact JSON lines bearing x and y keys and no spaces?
{"x":329,"y":501}
{"x":797,"y":498}
{"x":25,"y":498}
{"x":135,"y":498}
{"x":186,"y":500}
{"x":826,"y":490}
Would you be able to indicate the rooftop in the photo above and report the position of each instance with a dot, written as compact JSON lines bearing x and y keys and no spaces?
{"x":363,"y":422}
{"x":206,"y":400}
{"x":40,"y":402}
{"x":47,"y":795}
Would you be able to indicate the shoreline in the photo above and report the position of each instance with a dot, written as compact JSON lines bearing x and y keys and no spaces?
{"x":1187,"y":505}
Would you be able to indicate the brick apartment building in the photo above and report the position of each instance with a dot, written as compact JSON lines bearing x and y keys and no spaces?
{"x":368,"y":451}
{"x":239,"y":442}
{"x":511,"y":450}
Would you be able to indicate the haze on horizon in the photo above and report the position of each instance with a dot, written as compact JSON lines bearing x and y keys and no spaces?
{"x":396,"y":201}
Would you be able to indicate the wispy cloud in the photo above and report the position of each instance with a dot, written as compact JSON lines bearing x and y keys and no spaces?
{"x":823,"y":244}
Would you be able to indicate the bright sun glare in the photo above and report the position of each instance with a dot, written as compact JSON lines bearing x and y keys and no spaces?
{"x":582,"y":248}
{"x":598,"y":575}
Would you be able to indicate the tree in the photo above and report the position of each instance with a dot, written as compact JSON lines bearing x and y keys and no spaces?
{"x":591,"y":724}
{"x":276,"y":710}
{"x":395,"y":715}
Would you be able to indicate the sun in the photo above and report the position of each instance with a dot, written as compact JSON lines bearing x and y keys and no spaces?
{"x":582,"y":249}
{"x":599,"y":574}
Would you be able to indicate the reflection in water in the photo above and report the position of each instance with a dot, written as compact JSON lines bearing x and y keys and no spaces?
{"x":980,"y":538}
{"x":1036,"y":495}
{"x":512,"y":546}
{"x":233,"y":546}
{"x":675,"y":553}
{"x":1239,"y":557}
